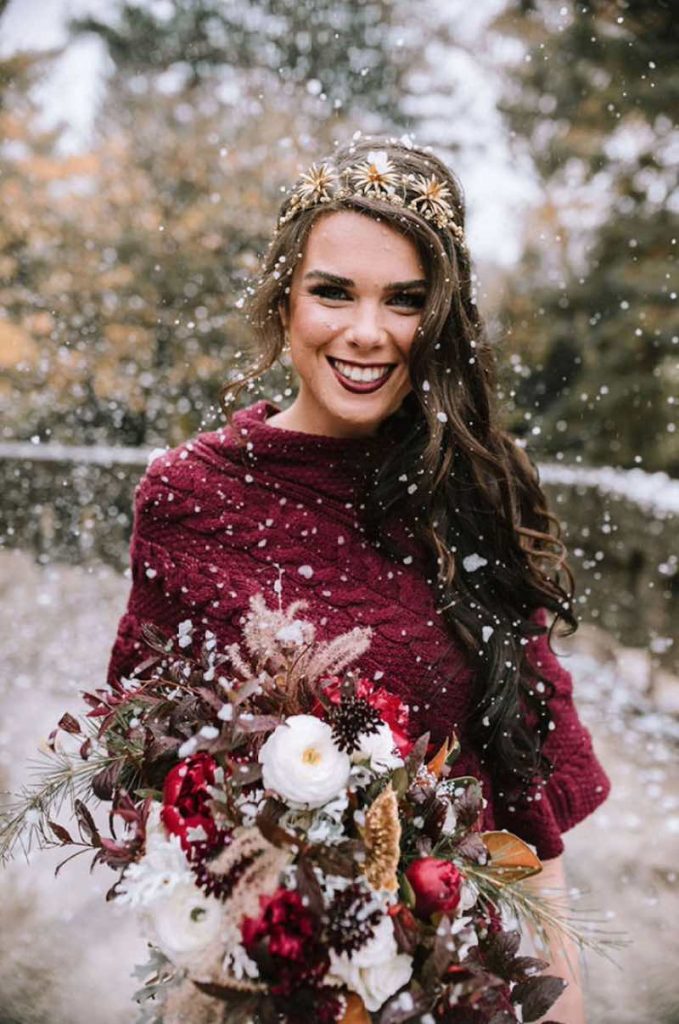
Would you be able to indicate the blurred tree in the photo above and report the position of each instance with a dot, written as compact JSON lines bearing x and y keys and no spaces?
{"x":149,"y":240}
{"x":33,"y":239}
{"x":596,"y":371}
{"x":339,"y":48}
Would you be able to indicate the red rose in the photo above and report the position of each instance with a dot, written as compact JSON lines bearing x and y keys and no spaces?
{"x":436,"y":884}
{"x":186,"y":803}
{"x":288,"y":932}
{"x":391,"y":708}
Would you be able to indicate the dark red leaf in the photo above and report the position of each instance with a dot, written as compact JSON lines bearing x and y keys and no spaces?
{"x":69,"y":724}
{"x":86,"y":823}
{"x":62,"y":834}
{"x":536,"y":995}
{"x":308,"y":885}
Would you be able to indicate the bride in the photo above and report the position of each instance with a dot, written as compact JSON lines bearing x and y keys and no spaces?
{"x":386,"y":494}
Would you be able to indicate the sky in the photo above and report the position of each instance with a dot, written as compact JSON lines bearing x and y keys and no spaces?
{"x":499,"y":189}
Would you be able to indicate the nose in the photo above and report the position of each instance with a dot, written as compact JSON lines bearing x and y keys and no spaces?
{"x":367,"y":326}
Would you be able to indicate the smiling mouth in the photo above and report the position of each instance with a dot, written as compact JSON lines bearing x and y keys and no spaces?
{"x":361,"y":375}
{"x":361,"y":381}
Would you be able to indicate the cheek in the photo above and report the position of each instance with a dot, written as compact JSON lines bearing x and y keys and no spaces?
{"x":311,"y":325}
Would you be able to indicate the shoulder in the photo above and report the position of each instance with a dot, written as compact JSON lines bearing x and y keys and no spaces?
{"x":203,"y":472}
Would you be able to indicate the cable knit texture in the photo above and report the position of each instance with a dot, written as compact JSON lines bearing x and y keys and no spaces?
{"x":237,"y":510}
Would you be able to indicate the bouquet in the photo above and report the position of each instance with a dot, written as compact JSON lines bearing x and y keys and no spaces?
{"x":294,"y":853}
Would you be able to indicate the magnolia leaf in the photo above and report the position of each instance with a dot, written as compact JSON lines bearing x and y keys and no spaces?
{"x":308,"y":886}
{"x":355,"y":1012}
{"x":526,"y":967}
{"x":442,"y":954}
{"x":398,"y":1009}
{"x":244,"y":774}
{"x":510,"y":858}
{"x":472,"y":847}
{"x":105,"y":781}
{"x":257,"y":723}
{"x":417,"y":755}
{"x":399,"y":782}
{"x":536,"y":995}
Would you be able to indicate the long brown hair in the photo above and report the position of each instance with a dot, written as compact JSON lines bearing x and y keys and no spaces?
{"x":478,"y":493}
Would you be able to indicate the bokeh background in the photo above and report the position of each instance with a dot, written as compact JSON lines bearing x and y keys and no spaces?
{"x":143,"y":148}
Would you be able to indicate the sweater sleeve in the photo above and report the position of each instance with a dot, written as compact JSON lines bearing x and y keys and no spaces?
{"x":578,"y":783}
{"x":173,"y":576}
{"x":149,"y":599}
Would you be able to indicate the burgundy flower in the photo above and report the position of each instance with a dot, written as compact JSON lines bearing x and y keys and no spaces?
{"x":391,"y":708}
{"x":186,"y":804}
{"x":436,"y":884}
{"x":284,"y":940}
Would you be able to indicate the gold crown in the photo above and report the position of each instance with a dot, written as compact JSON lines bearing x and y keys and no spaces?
{"x":377,"y":178}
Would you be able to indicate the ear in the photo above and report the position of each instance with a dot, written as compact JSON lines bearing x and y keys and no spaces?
{"x":283,"y":313}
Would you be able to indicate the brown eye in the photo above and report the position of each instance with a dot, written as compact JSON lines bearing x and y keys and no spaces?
{"x":329,"y":291}
{"x":412,"y":300}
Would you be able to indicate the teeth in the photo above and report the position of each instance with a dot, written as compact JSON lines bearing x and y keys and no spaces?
{"x":361,"y":375}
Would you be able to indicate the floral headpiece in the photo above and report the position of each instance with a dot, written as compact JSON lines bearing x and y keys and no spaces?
{"x":377,"y":178}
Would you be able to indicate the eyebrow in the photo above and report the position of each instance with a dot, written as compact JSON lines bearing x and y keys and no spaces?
{"x":346,"y":282}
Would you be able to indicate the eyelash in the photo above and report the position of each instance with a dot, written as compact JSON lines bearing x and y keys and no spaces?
{"x":415,"y":299}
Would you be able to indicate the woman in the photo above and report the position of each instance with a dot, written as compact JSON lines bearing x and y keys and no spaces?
{"x":386,"y":494}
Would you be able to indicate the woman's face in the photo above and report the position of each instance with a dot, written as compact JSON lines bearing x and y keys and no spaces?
{"x":356,"y":297}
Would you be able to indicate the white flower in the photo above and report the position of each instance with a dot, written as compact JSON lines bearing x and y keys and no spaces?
{"x":379,"y":158}
{"x":301,"y":762}
{"x":162,"y":868}
{"x":375,"y":971}
{"x":380,"y":748}
{"x":326,"y":825}
{"x":180,"y":917}
{"x":185,"y":922}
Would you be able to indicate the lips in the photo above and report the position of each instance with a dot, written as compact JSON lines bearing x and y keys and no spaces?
{"x":360,"y":387}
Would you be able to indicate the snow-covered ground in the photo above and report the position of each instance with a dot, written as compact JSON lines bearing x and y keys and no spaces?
{"x":66,"y":955}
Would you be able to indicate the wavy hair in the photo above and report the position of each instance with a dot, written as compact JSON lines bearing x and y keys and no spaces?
{"x":477,"y":490}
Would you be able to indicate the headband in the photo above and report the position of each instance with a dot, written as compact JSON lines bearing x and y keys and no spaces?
{"x":377,"y":178}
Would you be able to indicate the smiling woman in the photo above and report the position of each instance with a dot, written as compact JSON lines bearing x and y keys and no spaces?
{"x":385,"y":495}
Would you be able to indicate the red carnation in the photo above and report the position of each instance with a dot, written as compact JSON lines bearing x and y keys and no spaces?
{"x":186,"y":803}
{"x":391,"y":708}
{"x":436,"y":884}
{"x":286,"y":932}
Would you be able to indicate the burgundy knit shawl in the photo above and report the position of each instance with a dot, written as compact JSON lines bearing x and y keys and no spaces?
{"x":215,"y":522}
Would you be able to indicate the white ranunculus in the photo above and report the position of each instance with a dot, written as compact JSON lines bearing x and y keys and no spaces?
{"x":375,"y":971}
{"x":163,"y":866}
{"x":380,"y":748}
{"x":184,"y":922}
{"x":302,"y":763}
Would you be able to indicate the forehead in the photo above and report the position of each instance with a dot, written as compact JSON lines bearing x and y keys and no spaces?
{"x":346,"y":241}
